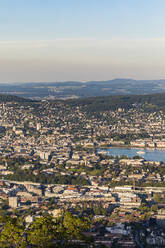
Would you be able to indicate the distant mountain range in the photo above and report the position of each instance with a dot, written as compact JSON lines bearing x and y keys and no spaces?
{"x":67,"y":90}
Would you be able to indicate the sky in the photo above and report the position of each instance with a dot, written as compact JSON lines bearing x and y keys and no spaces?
{"x":81,"y":40}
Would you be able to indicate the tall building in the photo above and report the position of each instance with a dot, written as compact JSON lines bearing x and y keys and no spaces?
{"x":38,"y":126}
{"x":13,"y":202}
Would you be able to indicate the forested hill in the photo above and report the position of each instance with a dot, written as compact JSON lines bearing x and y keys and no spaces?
{"x":12,"y":98}
{"x":151,"y":102}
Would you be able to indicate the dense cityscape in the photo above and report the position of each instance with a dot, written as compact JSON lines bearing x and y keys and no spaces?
{"x":54,"y":162}
{"x":82,"y":124}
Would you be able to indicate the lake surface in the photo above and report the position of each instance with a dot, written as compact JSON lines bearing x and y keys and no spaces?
{"x":148,"y":154}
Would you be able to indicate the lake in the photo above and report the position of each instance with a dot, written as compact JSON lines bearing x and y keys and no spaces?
{"x":148,"y":154}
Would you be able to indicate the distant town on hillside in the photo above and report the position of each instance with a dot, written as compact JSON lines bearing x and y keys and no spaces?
{"x":73,"y":89}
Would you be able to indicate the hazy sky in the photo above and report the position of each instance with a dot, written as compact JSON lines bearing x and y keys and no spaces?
{"x":59,"y":40}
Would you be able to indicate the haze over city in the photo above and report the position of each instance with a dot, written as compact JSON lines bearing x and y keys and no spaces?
{"x":81,"y":40}
{"x":82,"y":123}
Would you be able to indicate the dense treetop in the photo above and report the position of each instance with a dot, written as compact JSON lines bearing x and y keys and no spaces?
{"x":150,"y":102}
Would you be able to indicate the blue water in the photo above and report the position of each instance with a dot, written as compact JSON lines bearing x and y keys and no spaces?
{"x":150,"y":154}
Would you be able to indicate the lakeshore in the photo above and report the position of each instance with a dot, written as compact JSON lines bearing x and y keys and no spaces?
{"x":153,"y":154}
